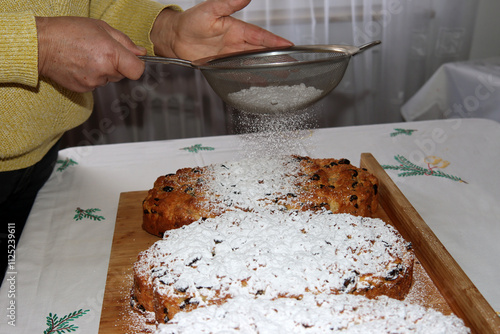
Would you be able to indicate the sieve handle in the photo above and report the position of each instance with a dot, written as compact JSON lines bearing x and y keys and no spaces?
{"x":364,"y":47}
{"x":165,"y":60}
{"x":348,"y":50}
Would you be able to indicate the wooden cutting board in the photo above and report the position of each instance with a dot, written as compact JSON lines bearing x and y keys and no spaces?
{"x":438,"y":283}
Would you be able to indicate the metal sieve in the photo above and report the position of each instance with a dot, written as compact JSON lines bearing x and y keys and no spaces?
{"x":273,"y":80}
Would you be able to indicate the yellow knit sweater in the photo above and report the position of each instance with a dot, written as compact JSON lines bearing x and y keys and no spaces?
{"x":35,"y":112}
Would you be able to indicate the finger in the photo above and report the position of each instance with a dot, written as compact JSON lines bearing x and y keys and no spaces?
{"x":221,"y":8}
{"x":258,"y":36}
{"x":114,"y":78}
{"x":92,"y":82}
{"x":252,"y":34}
{"x":129,"y":65}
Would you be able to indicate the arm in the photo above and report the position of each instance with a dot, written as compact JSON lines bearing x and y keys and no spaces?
{"x":203,"y":30}
{"x":81,"y":54}
{"x":77,"y":53}
{"x":18,"y":49}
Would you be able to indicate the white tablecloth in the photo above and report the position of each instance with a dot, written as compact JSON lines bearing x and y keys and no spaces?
{"x":62,"y":258}
{"x":468,"y":89}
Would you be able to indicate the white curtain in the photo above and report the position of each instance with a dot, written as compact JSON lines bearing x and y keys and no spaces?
{"x":417,"y":37}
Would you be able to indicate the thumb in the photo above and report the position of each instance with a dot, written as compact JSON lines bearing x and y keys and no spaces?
{"x":130,"y":66}
{"x":223,"y":8}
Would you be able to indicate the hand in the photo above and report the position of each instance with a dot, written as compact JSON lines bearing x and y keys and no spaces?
{"x":82,"y":53}
{"x":207,"y":29}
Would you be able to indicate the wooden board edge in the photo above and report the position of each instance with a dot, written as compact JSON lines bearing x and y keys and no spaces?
{"x":464,"y":298}
{"x":114,"y":277}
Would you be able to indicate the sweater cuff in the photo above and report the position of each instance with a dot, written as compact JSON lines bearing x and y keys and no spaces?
{"x":135,"y":18}
{"x":18,"y":49}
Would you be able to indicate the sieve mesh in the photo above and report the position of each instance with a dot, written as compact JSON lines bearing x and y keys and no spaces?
{"x":275,"y":82}
{"x":296,"y":76}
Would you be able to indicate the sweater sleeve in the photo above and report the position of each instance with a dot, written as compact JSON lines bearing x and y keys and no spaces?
{"x":18,"y":49}
{"x":133,"y":17}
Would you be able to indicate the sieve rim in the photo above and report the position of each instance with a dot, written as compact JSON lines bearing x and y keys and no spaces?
{"x":210,"y":63}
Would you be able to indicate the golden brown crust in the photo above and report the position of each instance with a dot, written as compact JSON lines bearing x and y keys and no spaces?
{"x":180,"y":199}
{"x":336,"y":185}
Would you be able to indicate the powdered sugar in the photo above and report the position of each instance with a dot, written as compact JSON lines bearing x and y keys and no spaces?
{"x":274,"y":99}
{"x":270,"y":135}
{"x":251,"y":183}
{"x":313,"y":314}
{"x":130,"y":321}
{"x":277,"y":254}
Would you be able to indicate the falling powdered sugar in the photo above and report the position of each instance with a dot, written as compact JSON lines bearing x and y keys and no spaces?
{"x":275,"y":134}
{"x":274,"y":98}
{"x":274,"y":119}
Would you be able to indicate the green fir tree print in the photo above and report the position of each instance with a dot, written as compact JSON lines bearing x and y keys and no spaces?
{"x":196,"y":148}
{"x":88,"y":213}
{"x":65,"y":164}
{"x":408,"y":168}
{"x":56,"y":325}
{"x":398,"y":131}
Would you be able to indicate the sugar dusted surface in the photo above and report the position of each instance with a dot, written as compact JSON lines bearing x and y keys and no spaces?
{"x":277,"y":253}
{"x":248,"y":183}
{"x":313,"y":314}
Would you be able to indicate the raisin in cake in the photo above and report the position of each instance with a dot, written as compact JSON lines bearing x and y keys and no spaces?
{"x":270,"y":253}
{"x":346,"y":314}
{"x":290,"y":182}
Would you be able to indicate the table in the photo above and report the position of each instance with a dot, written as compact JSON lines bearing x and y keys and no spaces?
{"x":467,"y":89}
{"x":62,"y":258}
